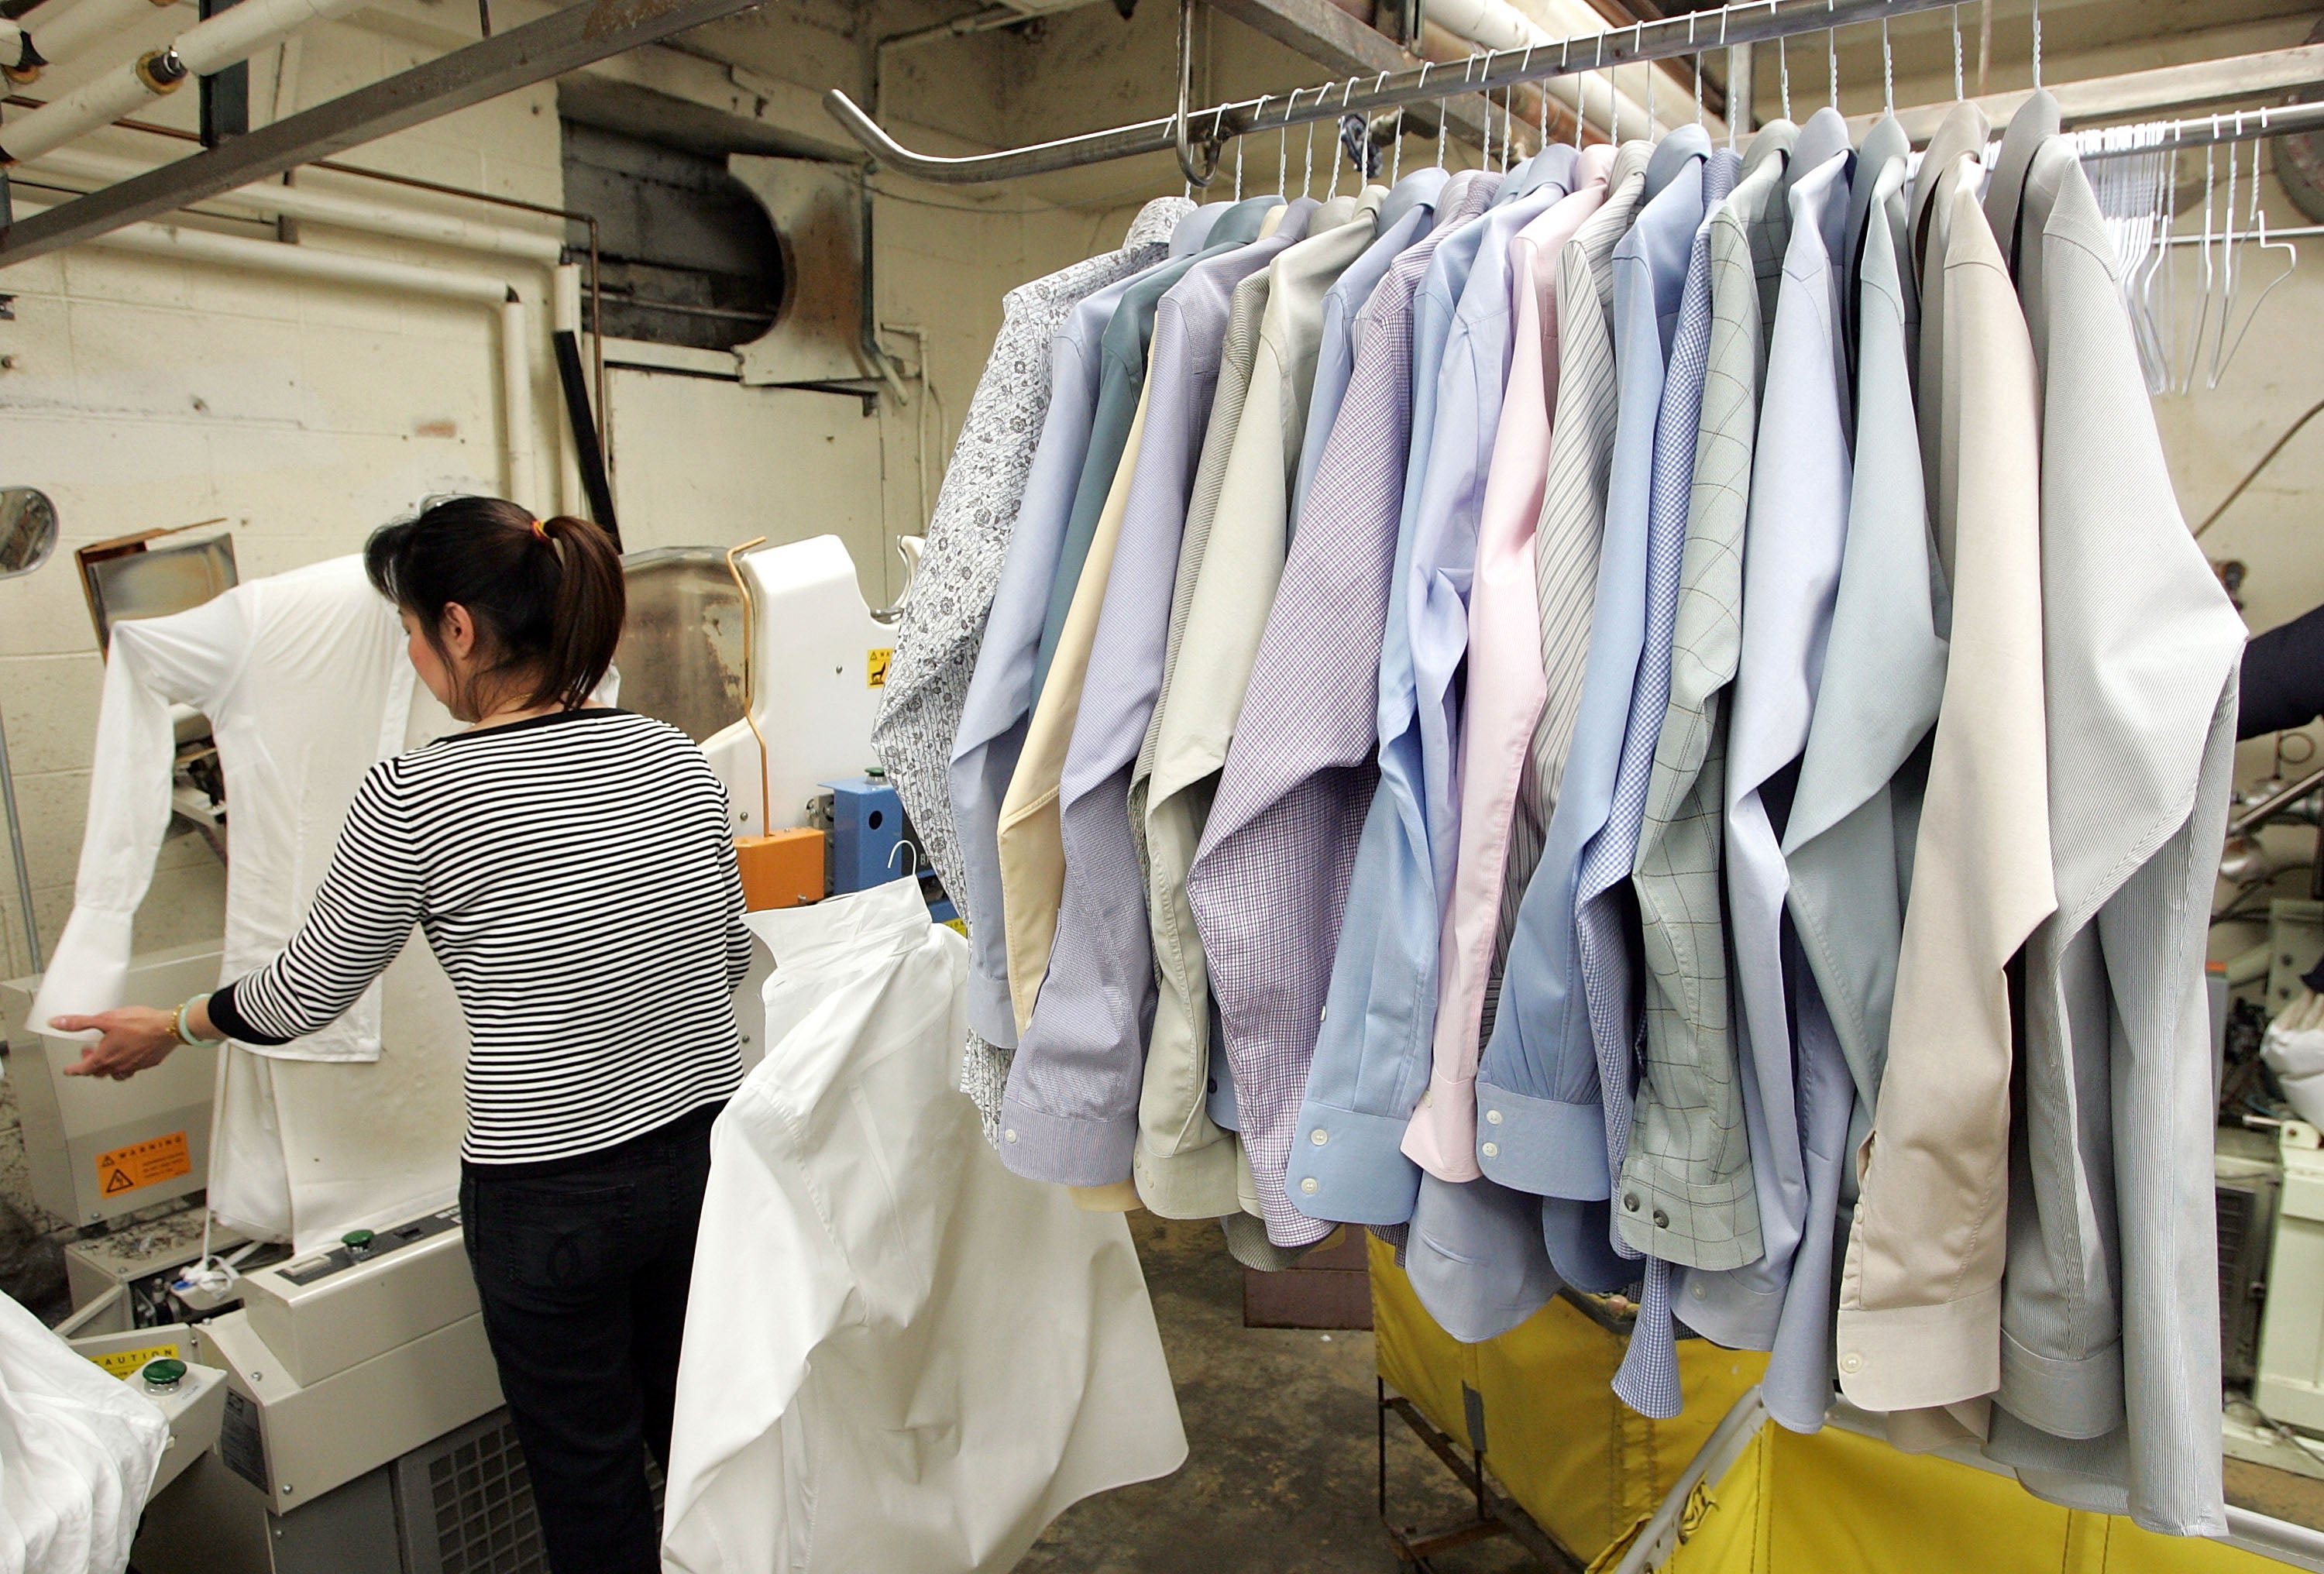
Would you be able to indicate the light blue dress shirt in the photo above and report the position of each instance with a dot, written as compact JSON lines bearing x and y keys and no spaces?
{"x":1540,"y":1127}
{"x":1384,"y":975}
{"x":1473,"y":377}
{"x":999,"y":706}
{"x":1408,"y":213}
{"x":1797,"y":1114}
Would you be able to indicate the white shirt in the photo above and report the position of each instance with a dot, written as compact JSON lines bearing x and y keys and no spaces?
{"x":306,"y":686}
{"x":899,"y":1355}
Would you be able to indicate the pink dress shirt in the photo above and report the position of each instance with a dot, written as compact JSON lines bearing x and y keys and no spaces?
{"x":1506,"y":685}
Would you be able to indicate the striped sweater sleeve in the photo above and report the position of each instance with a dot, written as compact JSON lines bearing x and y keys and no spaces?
{"x":363,"y":912}
{"x":738,"y":929}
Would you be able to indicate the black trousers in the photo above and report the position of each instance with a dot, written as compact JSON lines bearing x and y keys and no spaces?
{"x":583,"y":1273}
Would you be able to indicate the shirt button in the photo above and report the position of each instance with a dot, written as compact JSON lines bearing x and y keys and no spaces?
{"x":1662,"y":1219}
{"x":1493,"y":1117}
{"x":1699,"y":1291}
{"x":1630,"y":1200}
{"x":1010,"y":1135}
{"x":1309,"y":1185}
{"x":1851,"y":1362}
{"x":1319,"y":1136}
{"x":1492,"y":1150}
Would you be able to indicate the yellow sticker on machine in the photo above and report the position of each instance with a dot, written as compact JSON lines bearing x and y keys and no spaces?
{"x":143,"y":1163}
{"x":875,"y":667}
{"x":126,"y":1364}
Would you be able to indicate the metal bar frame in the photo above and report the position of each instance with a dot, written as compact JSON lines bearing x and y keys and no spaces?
{"x":1491,"y":72}
{"x":563,"y":41}
{"x":2234,"y":125}
{"x":1494,"y":1516}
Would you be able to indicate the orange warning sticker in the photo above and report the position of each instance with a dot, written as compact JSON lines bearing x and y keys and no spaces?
{"x":875,"y":667}
{"x":143,"y":1163}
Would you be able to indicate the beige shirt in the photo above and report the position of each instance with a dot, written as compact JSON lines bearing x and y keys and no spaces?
{"x":1226,"y":586}
{"x":1920,"y":1308}
{"x":1032,"y":856}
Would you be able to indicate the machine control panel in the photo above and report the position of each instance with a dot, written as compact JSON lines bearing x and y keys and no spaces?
{"x":358,"y":1248}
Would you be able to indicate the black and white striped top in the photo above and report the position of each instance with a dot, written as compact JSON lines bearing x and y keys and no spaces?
{"x":574,"y":875}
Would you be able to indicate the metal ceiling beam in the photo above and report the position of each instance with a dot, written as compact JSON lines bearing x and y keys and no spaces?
{"x":564,"y":40}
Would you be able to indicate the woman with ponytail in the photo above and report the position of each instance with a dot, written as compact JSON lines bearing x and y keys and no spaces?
{"x":572,"y":868}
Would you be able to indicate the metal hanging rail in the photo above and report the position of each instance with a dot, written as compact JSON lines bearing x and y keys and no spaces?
{"x":2235,"y":125}
{"x":1491,"y":72}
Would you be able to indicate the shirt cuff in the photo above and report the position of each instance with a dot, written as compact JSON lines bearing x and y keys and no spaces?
{"x":992,"y":1015}
{"x":1440,"y":1137}
{"x":1920,"y":1357}
{"x":1727,"y":1308}
{"x":1346,"y":1167}
{"x":228,"y":1019}
{"x":87,"y":971}
{"x":1070,"y":1150}
{"x":1544,"y":1146}
{"x":1191,"y":1183}
{"x":2077,"y":1398}
{"x":1707,"y":1224}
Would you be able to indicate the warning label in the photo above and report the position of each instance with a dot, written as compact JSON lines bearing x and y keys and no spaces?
{"x":128,"y":1362}
{"x":875,"y":667}
{"x":143,"y":1163}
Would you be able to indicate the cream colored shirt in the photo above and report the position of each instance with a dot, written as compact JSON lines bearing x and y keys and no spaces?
{"x":1919,"y":1307}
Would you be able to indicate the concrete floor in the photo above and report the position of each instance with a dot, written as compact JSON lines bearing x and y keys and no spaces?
{"x":1281,"y":1473}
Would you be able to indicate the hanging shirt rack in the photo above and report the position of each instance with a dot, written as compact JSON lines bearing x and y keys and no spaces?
{"x":1491,"y":72}
{"x":2238,"y":125}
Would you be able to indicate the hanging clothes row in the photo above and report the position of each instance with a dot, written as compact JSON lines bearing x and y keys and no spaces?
{"x":1645,"y":721}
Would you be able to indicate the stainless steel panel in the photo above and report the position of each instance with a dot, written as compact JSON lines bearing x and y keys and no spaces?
{"x":681,"y":652}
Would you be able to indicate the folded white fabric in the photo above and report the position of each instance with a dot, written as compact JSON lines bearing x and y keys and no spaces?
{"x":77,"y":1454}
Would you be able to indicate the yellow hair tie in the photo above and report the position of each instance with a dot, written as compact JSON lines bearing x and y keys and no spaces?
{"x":540,"y":529}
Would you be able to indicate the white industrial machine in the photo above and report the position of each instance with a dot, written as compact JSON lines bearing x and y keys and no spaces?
{"x":817,"y":672}
{"x":361,"y":1427}
{"x":97,"y":1149}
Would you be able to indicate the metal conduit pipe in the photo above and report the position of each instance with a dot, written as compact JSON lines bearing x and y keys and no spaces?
{"x":61,"y":29}
{"x":565,"y":318}
{"x":169,"y":240}
{"x":354,"y":213}
{"x":205,"y":48}
{"x":1495,"y":24}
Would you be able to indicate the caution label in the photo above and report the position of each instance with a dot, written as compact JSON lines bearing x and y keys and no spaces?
{"x":875,"y":667}
{"x":125,"y":1364}
{"x":143,"y":1163}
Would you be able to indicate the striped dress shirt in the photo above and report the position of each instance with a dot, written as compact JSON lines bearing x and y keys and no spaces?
{"x":1294,"y":791}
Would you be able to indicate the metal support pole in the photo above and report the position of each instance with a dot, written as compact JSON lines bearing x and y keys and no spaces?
{"x":16,"y":849}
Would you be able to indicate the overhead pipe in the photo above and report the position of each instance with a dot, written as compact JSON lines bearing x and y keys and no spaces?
{"x":169,"y":240}
{"x":342,"y":212}
{"x":61,"y":28}
{"x":202,"y":49}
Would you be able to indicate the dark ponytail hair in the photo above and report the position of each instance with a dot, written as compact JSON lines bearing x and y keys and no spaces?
{"x":547,"y":597}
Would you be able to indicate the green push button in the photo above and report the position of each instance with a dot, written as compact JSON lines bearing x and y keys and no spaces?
{"x":357,"y":1242}
{"x":162,"y":1376}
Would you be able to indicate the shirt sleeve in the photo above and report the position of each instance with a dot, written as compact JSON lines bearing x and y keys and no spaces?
{"x":190,"y":657}
{"x":2283,"y":677}
{"x":364,"y":911}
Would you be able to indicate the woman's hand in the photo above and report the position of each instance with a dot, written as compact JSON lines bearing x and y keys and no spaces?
{"x":137,"y":1038}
